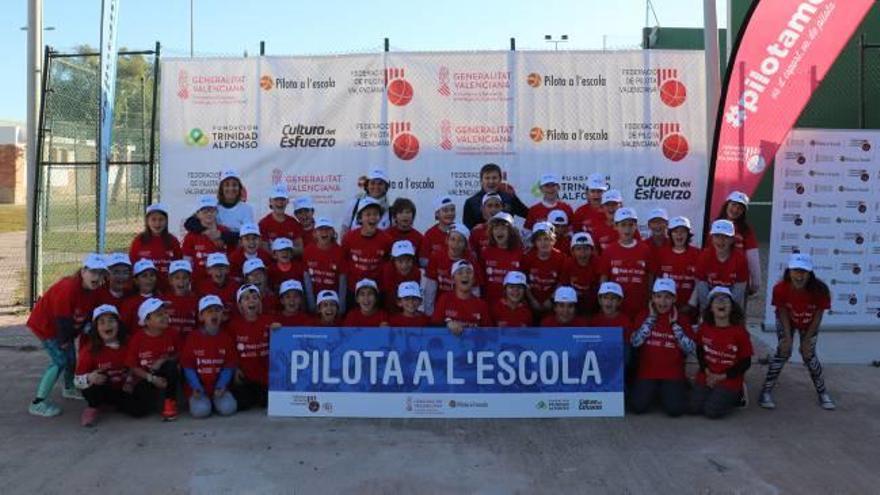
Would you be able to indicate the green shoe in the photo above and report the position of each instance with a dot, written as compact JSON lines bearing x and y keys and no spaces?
{"x":44,"y":408}
{"x":72,"y":393}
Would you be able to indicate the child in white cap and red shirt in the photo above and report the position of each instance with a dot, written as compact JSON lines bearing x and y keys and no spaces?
{"x":152,"y":357}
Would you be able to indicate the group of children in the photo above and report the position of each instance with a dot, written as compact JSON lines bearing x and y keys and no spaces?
{"x":200,"y":312}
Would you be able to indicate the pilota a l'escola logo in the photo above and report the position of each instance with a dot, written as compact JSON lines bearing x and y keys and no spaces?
{"x":536,"y":134}
{"x":399,"y":90}
{"x":266,"y":83}
{"x":404,"y":143}
{"x":197,"y":137}
{"x":534,"y":80}
{"x":673,"y":143}
{"x":673,"y":92}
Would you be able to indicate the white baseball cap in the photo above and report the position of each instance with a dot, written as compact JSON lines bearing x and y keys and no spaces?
{"x":178,"y":265}
{"x":282,"y":243}
{"x":515,"y":278}
{"x":142,"y":265}
{"x":251,"y":265}
{"x":215,"y":259}
{"x":723,"y":227}
{"x":229,"y":173}
{"x":660,"y":213}
{"x":502,"y":216}
{"x":443,"y":201}
{"x":565,"y":294}
{"x":206,"y":202}
{"x":623,"y":214}
{"x":365,"y":282}
{"x":800,"y":261}
{"x":208,"y":301}
{"x":612,"y":196}
{"x":720,"y":290}
{"x":367,"y":202}
{"x":543,"y":227}
{"x":676,"y":222}
{"x":303,"y":203}
{"x":461,"y":229}
{"x":160,"y":207}
{"x":664,"y":285}
{"x":558,"y":217}
{"x":582,"y":239}
{"x":739,"y":197}
{"x":114,"y":259}
{"x":94,"y":261}
{"x":597,"y":181}
{"x":147,"y":308}
{"x":409,"y":289}
{"x":244,"y":289}
{"x":278,"y":192}
{"x":611,"y":288}
{"x":289,"y":285}
{"x":378,"y":174}
{"x":402,"y":248}
{"x":103,"y":310}
{"x":249,"y":229}
{"x":460,"y":264}
{"x":323,"y":222}
{"x":549,"y":179}
{"x":327,"y":295}
{"x":490,"y":196}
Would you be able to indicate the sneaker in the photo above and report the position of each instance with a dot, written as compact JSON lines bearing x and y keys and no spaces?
{"x":766,"y":400}
{"x":826,"y":402}
{"x":72,"y":393}
{"x":44,"y":408}
{"x":169,"y":410}
{"x":89,"y":417}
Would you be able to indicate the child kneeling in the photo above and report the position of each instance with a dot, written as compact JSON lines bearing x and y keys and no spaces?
{"x":209,"y":360}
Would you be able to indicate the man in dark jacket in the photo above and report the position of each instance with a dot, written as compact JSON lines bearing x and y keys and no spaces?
{"x":490,"y":182}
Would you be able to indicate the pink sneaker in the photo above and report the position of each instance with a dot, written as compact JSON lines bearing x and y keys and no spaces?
{"x":89,"y":417}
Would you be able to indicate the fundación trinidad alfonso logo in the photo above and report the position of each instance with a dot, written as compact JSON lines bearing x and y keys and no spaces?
{"x":673,"y":143}
{"x":197,"y":137}
{"x":404,"y":143}
{"x":672,"y":91}
{"x":400,"y":91}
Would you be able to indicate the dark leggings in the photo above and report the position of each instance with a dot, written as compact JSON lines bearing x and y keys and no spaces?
{"x":249,"y":394}
{"x":713,"y":402}
{"x":672,"y":394}
{"x":134,"y":403}
{"x":152,"y":395}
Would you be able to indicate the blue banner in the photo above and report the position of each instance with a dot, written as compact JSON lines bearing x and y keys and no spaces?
{"x":403,"y":372}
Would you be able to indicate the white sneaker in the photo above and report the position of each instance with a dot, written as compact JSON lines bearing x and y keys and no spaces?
{"x":72,"y":393}
{"x":766,"y":400}
{"x":826,"y":402}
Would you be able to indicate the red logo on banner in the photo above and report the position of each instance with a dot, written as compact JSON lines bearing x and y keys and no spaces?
{"x":400,"y":91}
{"x":672,"y":91}
{"x":534,"y":79}
{"x":266,"y":83}
{"x":404,"y":142}
{"x":182,"y":84}
{"x":445,"y":135}
{"x":443,"y":81}
{"x":537,"y":134}
{"x":675,"y":146}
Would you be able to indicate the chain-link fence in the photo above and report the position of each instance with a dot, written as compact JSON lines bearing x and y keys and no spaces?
{"x":66,"y":207}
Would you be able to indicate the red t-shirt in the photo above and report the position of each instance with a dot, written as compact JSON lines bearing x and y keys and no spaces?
{"x":145,"y":349}
{"x":538,"y":212}
{"x":505,"y":316}
{"x":108,"y":360}
{"x":472,"y":312}
{"x":551,"y":321}
{"x":183,"y":313}
{"x":734,"y":270}
{"x":208,"y":355}
{"x":401,"y":320}
{"x":411,"y":235}
{"x":104,"y":296}
{"x":655,"y":247}
{"x":225,"y":292}
{"x":279,"y":273}
{"x":433,"y":241}
{"x":301,"y":319}
{"x":723,"y":348}
{"x":155,"y":250}
{"x":601,"y":320}
{"x":497,"y":263}
{"x":391,"y":279}
{"x":128,"y":310}
{"x":585,"y":281}
{"x":271,"y":229}
{"x":66,"y":298}
{"x":630,"y":267}
{"x":479,"y":239}
{"x":802,"y":306}
{"x":544,"y":275}
{"x":563,"y":244}
{"x":324,"y":266}
{"x":680,"y":267}
{"x":356,"y":318}
{"x":586,"y":218}
{"x":439,"y":267}
{"x":659,"y":357}
{"x":252,"y":343}
{"x":604,"y":236}
{"x":238,"y":257}
{"x":364,"y":255}
{"x":744,"y":242}
{"x":198,"y":247}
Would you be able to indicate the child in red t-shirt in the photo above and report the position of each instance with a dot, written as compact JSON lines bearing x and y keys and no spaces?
{"x":676,"y":261}
{"x":409,"y":298}
{"x":479,"y":238}
{"x":208,"y":361}
{"x":610,"y":295}
{"x":366,"y":247}
{"x":401,"y":268}
{"x":720,"y":265}
{"x":219,"y":282}
{"x":284,"y":267}
{"x":559,"y":220}
{"x":197,"y":246}
{"x":513,"y":309}
{"x":250,"y":329}
{"x":293,"y":308}
{"x":724,"y":351}
{"x":255,"y":273}
{"x":304,"y":212}
{"x":459,"y":309}
{"x":590,"y":214}
{"x":249,"y":247}
{"x":438,"y":275}
{"x":367,"y":312}
{"x":800,"y":299}
{"x":660,"y":344}
{"x":564,"y":310}
{"x":328,"y":314}
{"x":325,"y":267}
{"x":145,"y":282}
{"x":152,"y":357}
{"x":543,"y":265}
{"x":119,"y":282}
{"x":503,"y":254}
{"x":403,"y":216}
{"x":735,"y":209}
{"x":581,"y":271}
{"x":182,"y":302}
{"x":155,"y":242}
{"x":277,"y":223}
{"x":658,"y":226}
{"x":434,"y":240}
{"x":539,"y":212}
{"x":58,"y":318}
{"x":606,"y":233}
{"x":628,"y":262}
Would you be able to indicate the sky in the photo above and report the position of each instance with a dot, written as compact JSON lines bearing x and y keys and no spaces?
{"x":315,"y":27}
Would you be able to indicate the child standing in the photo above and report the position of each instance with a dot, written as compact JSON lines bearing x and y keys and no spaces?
{"x":284,"y":267}
{"x":628,"y":262}
{"x":208,"y":360}
{"x":492,"y":206}
{"x":328,"y":314}
{"x":219,"y":281}
{"x":197,"y":246}
{"x":589,"y":215}
{"x":325,"y":267}
{"x":658,"y":224}
{"x":277,"y":223}
{"x":255,"y":273}
{"x":513,"y":310}
{"x":403,"y":216}
{"x":365,"y":247}
{"x":459,"y":309}
{"x":559,"y":220}
{"x":367,"y":313}
{"x":293,"y":308}
{"x":540,"y":212}
{"x":564,"y":310}
{"x":145,"y":281}
{"x":119,"y":283}
{"x":439,"y":275}
{"x":182,"y":302}
{"x":304,"y":212}
{"x":435,"y":238}
{"x":409,"y":298}
{"x":249,"y":247}
{"x":152,"y":358}
{"x":800,"y":300}
{"x":502,"y":255}
{"x":720,"y":265}
{"x":677,"y":261}
{"x":543,"y":265}
{"x":735,"y":209}
{"x":581,"y":271}
{"x":403,"y":267}
{"x":155,"y":242}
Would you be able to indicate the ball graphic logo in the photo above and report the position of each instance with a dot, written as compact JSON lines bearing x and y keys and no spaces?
{"x":674,"y":145}
{"x":536,"y":134}
{"x":196,"y":137}
{"x":445,"y":134}
{"x":534,"y":79}
{"x":400,"y":91}
{"x":266,"y":83}
{"x":404,"y":143}
{"x":756,"y":163}
{"x":672,"y":91}
{"x":443,"y":81}
{"x":182,"y":84}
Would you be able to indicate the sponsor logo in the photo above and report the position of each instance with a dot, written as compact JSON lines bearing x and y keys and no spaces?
{"x":538,"y":134}
{"x":404,"y":143}
{"x":399,"y":90}
{"x":473,"y":85}
{"x":666,"y":135}
{"x":673,"y":92}
{"x":372,"y":134}
{"x":314,"y":406}
{"x":209,"y":89}
{"x":541,"y":405}
{"x":367,"y":81}
{"x":196,"y":137}
{"x":224,"y":137}
{"x":571,"y":188}
{"x":268,"y":83}
{"x":589,"y":405}
{"x":475,"y":139}
{"x":307,"y":136}
{"x":675,"y":146}
{"x":655,"y":187}
{"x":536,"y":80}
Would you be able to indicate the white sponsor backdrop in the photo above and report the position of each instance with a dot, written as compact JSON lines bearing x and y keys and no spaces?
{"x":432,"y":120}
{"x":826,"y":202}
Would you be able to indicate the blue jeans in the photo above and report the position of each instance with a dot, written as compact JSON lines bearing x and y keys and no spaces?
{"x":200,"y":407}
